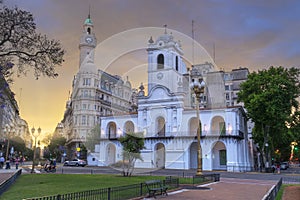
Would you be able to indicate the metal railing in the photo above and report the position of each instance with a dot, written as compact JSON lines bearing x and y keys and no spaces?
{"x":6,"y":184}
{"x":112,"y":193}
{"x":271,"y":195}
{"x":192,"y":179}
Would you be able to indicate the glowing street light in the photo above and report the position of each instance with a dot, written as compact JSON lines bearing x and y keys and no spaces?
{"x":35,"y":135}
{"x":197,"y":85}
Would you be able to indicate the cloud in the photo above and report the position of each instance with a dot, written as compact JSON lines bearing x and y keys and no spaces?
{"x":252,"y":34}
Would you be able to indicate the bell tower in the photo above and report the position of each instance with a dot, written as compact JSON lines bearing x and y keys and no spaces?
{"x":165,"y":63}
{"x":88,"y":41}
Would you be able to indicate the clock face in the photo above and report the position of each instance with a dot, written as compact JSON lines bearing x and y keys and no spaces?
{"x":89,"y":40}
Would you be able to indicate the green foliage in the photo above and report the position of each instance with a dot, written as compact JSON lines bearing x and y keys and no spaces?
{"x":93,"y":138}
{"x":132,"y":144}
{"x":23,"y":48}
{"x":56,"y":147}
{"x":270,"y":97}
{"x":20,"y":148}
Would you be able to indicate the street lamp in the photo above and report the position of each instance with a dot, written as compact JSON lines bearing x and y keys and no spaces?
{"x":197,"y":85}
{"x":8,"y":130}
{"x":35,"y":135}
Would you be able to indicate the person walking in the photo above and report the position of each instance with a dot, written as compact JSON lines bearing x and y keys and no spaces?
{"x":17,"y":163}
{"x":278,"y":168}
{"x":2,"y":160}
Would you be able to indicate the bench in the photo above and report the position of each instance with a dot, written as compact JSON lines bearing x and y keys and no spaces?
{"x":156,"y":187}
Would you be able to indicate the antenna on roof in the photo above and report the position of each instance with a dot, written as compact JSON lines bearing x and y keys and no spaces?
{"x":193,"y":45}
{"x":214,"y":52}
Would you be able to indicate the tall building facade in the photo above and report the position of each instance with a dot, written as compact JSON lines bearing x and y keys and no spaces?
{"x":167,"y":118}
{"x":11,"y":123}
{"x":95,"y":93}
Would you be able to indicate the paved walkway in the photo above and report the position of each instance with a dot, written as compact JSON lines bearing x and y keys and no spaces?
{"x":6,"y":174}
{"x":226,"y":189}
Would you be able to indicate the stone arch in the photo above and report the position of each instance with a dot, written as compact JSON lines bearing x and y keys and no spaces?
{"x":128,"y":127}
{"x":219,"y":156}
{"x":159,"y":155}
{"x":193,"y":158}
{"x":193,"y":126}
{"x":218,"y":126}
{"x":111,"y":131}
{"x":160,"y":126}
{"x":110,"y":154}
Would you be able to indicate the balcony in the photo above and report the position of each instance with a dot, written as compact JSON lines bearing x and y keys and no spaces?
{"x":224,"y":134}
{"x":237,"y":134}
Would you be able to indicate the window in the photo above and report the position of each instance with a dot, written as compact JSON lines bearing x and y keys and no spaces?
{"x":223,"y":159}
{"x":160,"y":61}
{"x":176,"y":63}
{"x":83,"y":120}
{"x":227,"y":87}
{"x":227,"y":96}
{"x":222,"y":128}
{"x":86,"y":81}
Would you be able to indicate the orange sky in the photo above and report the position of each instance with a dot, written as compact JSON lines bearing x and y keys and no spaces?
{"x":250,"y":34}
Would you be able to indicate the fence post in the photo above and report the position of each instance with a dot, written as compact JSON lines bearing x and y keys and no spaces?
{"x":108,"y":193}
{"x":141,"y":189}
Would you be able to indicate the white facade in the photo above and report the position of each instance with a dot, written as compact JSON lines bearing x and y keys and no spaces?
{"x":167,"y":117}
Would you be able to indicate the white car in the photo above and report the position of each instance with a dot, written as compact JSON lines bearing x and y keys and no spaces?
{"x":75,"y":162}
{"x":284,"y":165}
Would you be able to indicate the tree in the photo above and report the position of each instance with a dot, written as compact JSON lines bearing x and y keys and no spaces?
{"x":270,"y":98}
{"x":92,"y":138}
{"x":22,"y":47}
{"x":56,"y":147}
{"x":132,"y":144}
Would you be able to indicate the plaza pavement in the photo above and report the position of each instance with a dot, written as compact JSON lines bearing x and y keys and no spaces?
{"x":226,"y":189}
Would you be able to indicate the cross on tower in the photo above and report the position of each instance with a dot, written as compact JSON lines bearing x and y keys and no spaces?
{"x":165,"y":28}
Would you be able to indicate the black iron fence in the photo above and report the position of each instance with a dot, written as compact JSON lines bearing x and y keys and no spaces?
{"x":6,"y":184}
{"x":112,"y":193}
{"x":206,"y":178}
{"x":271,"y":195}
{"x":130,"y":191}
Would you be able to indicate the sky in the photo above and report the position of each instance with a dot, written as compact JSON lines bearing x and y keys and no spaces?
{"x":236,"y":33}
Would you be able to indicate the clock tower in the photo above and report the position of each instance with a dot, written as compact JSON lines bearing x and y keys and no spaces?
{"x":88,"y":41}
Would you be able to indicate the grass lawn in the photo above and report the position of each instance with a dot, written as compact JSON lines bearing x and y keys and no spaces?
{"x":37,"y":185}
{"x":280,"y":192}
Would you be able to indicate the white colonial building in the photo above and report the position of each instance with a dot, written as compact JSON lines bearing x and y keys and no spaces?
{"x":167,"y":117}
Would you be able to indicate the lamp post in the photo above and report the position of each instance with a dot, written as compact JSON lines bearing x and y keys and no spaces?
{"x":35,"y":135}
{"x":8,"y":130}
{"x":197,"y":85}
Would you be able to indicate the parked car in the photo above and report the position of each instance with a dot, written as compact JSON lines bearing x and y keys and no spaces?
{"x":284,"y":165}
{"x":75,"y":162}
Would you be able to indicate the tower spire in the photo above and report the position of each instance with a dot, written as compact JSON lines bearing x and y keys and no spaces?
{"x":89,"y":16}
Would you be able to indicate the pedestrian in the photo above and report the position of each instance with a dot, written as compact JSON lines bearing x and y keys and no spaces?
{"x":17,"y":163}
{"x":278,"y":168}
{"x":273,"y":168}
{"x":2,"y":160}
{"x":7,"y":164}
